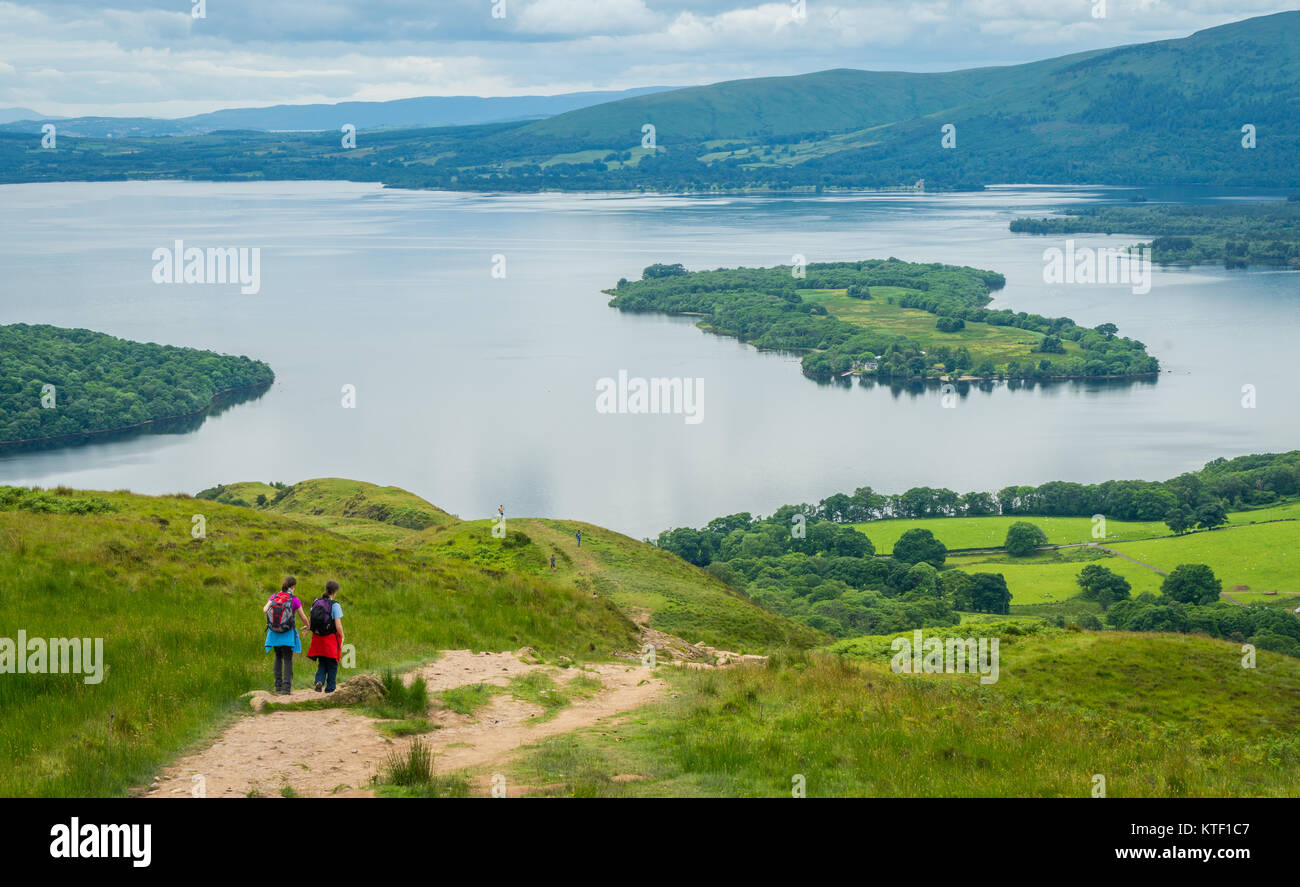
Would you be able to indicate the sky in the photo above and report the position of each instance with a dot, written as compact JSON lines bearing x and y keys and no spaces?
{"x":155,"y":58}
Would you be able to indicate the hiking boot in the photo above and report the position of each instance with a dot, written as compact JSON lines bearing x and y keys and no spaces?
{"x":319,"y":685}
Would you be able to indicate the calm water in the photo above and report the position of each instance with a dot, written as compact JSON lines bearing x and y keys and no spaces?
{"x":474,"y":391}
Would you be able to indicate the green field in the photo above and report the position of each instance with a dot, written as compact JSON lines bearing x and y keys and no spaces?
{"x":991,"y":531}
{"x":1050,"y":578}
{"x":1000,"y":344}
{"x":1263,"y":558}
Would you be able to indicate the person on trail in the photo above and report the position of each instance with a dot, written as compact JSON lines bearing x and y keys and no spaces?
{"x":579,"y":535}
{"x":326,"y":637}
{"x":552,"y":562}
{"x":501,"y":510}
{"x":281,"y":634}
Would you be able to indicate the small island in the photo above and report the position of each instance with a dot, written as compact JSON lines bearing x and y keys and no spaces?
{"x":887,"y":319}
{"x":63,"y":385}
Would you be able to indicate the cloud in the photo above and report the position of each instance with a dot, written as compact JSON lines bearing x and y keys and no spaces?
{"x":150,"y":57}
{"x":585,"y":17}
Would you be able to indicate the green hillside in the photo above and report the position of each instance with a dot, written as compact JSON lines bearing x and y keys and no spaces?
{"x":182,"y":626}
{"x":1164,"y":112}
{"x":650,"y":585}
{"x":1155,"y":715}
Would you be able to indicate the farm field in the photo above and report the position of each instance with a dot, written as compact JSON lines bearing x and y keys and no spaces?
{"x":1263,"y":558}
{"x":991,"y":531}
{"x":1047,"y":579}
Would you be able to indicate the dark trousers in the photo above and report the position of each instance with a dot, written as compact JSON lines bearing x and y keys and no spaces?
{"x":283,"y":669}
{"x":327,"y":672}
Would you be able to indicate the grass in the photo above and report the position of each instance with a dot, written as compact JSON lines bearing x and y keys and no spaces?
{"x":539,"y":688}
{"x":991,"y":531}
{"x":468,"y":699}
{"x":1000,"y":344}
{"x":182,"y":626}
{"x":1049,"y":577}
{"x":407,"y":727}
{"x":1265,"y":557}
{"x":410,"y":772}
{"x":1158,"y":715}
{"x":400,"y":700}
{"x":676,"y":597}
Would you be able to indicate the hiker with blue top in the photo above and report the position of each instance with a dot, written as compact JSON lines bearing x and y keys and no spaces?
{"x":281,"y":632}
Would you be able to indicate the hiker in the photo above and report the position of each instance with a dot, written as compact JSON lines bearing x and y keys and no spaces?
{"x":579,"y":535}
{"x":281,"y":635}
{"x":552,"y":562}
{"x":501,"y":510}
{"x":326,"y":637}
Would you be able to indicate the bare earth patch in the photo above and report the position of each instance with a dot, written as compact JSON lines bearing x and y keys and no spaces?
{"x":337,"y":752}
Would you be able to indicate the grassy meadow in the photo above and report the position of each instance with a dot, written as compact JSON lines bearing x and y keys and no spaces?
{"x":1156,"y":715}
{"x":1000,"y":344}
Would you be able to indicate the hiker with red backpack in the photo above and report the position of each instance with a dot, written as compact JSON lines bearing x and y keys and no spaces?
{"x":326,"y":637}
{"x":281,"y":635}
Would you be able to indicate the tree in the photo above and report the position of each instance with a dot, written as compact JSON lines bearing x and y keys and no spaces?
{"x":1211,"y":515}
{"x":1098,"y":581}
{"x":1192,"y":584}
{"x":918,"y":545}
{"x":989,"y":593}
{"x":1023,"y":538}
{"x":922,"y":578}
{"x":1180,"y":519}
{"x":956,"y":588}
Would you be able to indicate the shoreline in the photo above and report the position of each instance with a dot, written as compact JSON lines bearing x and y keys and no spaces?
{"x":83,"y":435}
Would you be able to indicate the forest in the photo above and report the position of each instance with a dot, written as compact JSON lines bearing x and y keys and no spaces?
{"x":57,"y":382}
{"x":1236,"y":235}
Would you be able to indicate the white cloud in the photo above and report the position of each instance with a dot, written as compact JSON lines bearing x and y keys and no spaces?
{"x":584,"y":17}
{"x":74,"y":57}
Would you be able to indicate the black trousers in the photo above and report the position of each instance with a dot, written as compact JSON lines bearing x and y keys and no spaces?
{"x":283,"y":669}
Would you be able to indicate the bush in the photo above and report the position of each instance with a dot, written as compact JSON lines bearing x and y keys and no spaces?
{"x":1023,"y":538}
{"x":1192,"y":584}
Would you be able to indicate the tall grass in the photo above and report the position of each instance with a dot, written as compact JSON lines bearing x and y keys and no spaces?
{"x":410,"y":772}
{"x":856,"y":729}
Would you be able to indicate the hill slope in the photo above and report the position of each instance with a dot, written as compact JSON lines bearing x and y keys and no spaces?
{"x":1164,"y":112}
{"x":1068,"y":706}
{"x":182,"y":629}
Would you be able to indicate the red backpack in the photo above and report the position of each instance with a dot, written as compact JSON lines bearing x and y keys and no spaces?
{"x":279,"y":617}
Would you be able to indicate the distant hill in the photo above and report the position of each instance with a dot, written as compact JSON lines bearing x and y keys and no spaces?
{"x":8,"y":115}
{"x":462,"y":110}
{"x":1170,"y":112}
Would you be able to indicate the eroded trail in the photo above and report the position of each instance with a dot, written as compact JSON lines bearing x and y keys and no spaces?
{"x":337,"y":752}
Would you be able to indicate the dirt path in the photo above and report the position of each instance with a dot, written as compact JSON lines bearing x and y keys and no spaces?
{"x":337,"y":752}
